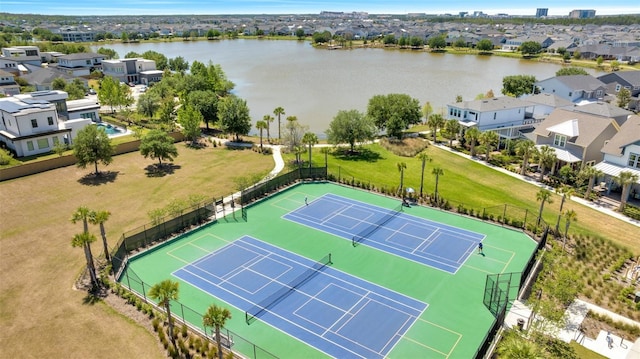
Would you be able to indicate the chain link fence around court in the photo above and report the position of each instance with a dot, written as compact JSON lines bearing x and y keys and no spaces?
{"x":193,"y":319}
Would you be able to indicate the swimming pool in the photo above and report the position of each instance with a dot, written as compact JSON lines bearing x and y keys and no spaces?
{"x":110,"y":129}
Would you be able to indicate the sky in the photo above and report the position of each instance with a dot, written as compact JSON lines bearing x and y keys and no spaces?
{"x":217,"y":7}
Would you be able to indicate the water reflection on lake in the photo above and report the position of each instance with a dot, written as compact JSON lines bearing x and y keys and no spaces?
{"x":314,"y":85}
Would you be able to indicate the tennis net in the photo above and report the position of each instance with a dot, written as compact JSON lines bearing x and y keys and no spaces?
{"x":252,"y":313}
{"x":375,"y":226}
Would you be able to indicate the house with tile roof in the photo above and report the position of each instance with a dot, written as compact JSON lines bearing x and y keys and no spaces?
{"x":576,"y":137}
{"x":622,"y":153}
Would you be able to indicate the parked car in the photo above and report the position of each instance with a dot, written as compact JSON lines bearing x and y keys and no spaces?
{"x":143,"y":89}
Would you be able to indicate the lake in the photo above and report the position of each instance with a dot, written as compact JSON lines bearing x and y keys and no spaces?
{"x":314,"y":84}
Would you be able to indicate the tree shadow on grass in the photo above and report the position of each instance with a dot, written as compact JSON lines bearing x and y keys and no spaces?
{"x":361,"y":154}
{"x":161,"y":170}
{"x":91,"y":299}
{"x":101,"y":178}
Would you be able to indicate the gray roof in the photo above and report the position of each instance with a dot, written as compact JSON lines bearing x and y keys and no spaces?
{"x":629,"y":133}
{"x":549,"y":100}
{"x":632,"y":77}
{"x":603,"y":109}
{"x":81,"y":56}
{"x":492,"y":104}
{"x":41,"y":75}
{"x":589,"y":126}
{"x":581,"y":82}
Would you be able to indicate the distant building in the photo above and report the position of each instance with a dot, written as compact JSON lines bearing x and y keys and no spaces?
{"x":582,"y":14}
{"x":542,"y":12}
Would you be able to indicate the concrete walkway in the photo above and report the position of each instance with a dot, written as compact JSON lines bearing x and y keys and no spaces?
{"x":600,"y":206}
{"x":575,"y":314}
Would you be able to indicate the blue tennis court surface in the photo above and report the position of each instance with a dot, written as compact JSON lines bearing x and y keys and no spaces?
{"x":339,"y":314}
{"x":427,"y":242}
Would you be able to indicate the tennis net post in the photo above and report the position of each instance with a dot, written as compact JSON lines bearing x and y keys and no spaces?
{"x":252,"y":313}
{"x":355,"y":240}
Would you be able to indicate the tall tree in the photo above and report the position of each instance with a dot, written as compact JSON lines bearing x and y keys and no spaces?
{"x":547,"y":158}
{"x":488,"y":139}
{"x":484,"y":46}
{"x":234,"y":116}
{"x":427,"y":110}
{"x":626,"y":179}
{"x":310,"y":139}
{"x":452,"y":128}
{"x":435,"y":122}
{"x":566,"y":192}
{"x":437,"y":171}
{"x":518,"y":85}
{"x":108,"y":94}
{"x":148,"y":104}
{"x":424,"y":158}
{"x":261,"y":126}
{"x":190,"y":119}
{"x":92,"y":146}
{"x":158,"y":144}
{"x":279,"y":111}
{"x":590,"y":173}
{"x":394,"y":113}
{"x":569,"y":216}
{"x":437,"y":43}
{"x":216,"y":317}
{"x":291,"y":122}
{"x":401,"y":167}
{"x":543,"y":196}
{"x":623,"y":97}
{"x":83,"y":214}
{"x":350,"y":127}
{"x":529,"y":48}
{"x":571,"y":70}
{"x":205,"y":102}
{"x":526,"y":149}
{"x":471,"y":135}
{"x":99,"y":218}
{"x":84,"y":240}
{"x":164,"y":292}
{"x":268,"y":119}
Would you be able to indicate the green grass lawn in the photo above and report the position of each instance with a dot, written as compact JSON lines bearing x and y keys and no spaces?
{"x":473,"y":185}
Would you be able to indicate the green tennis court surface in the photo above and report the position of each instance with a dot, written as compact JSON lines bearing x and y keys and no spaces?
{"x":454,"y":324}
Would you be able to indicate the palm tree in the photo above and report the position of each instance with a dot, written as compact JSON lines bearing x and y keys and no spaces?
{"x":566,"y":192}
{"x":268,"y":119}
{"x":423,"y":157}
{"x":164,"y":292}
{"x":472,"y":135}
{"x":84,"y":240}
{"x":591,"y":173}
{"x":488,"y":139}
{"x":526,"y":149}
{"x":437,"y":171}
{"x":434,"y":122}
{"x":261,"y":125}
{"x":82,"y":214}
{"x":626,"y":179}
{"x":279,"y":111}
{"x":544,"y":196}
{"x":291,"y":120}
{"x":401,"y":168}
{"x":216,"y":317}
{"x":452,"y":127}
{"x":99,"y":217}
{"x":547,"y":157}
{"x":310,"y":139}
{"x":569,"y":216}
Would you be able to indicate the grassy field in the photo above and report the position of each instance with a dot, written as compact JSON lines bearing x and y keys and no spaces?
{"x":40,"y":313}
{"x":476,"y":186}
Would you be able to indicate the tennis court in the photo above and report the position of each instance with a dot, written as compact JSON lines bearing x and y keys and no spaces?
{"x":371,"y":301}
{"x":335,"y":312}
{"x":431,"y":243}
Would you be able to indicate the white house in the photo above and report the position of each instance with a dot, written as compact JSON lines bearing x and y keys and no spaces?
{"x":128,"y":70}
{"x":504,"y":115}
{"x":80,"y":64}
{"x":8,"y":85}
{"x":23,"y":54}
{"x":622,"y":153}
{"x":30,"y":126}
{"x":574,"y":88}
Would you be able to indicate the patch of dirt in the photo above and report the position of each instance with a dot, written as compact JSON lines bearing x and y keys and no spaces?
{"x":592,"y":327}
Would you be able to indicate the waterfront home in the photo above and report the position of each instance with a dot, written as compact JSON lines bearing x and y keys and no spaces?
{"x":630,"y":80}
{"x":574,"y":88}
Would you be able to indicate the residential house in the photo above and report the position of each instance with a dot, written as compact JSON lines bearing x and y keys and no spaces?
{"x":130,"y":70}
{"x":80,"y":64}
{"x":574,"y":88}
{"x":8,"y":85}
{"x":617,"y":80}
{"x":82,"y":109}
{"x":603,"y":109}
{"x":545,"y":103}
{"x":23,"y":54}
{"x":11,"y":66}
{"x":514,"y":44}
{"x":42,"y":77}
{"x":30,"y":125}
{"x":504,"y":115}
{"x":576,"y":137}
{"x":622,"y":153}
